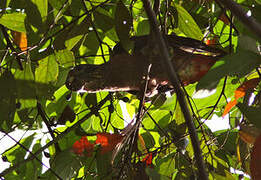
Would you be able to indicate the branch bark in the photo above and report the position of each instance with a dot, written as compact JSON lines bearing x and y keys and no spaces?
{"x":249,"y":21}
{"x":173,"y":77}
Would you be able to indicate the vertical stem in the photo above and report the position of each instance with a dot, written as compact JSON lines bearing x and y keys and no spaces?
{"x":166,"y":61}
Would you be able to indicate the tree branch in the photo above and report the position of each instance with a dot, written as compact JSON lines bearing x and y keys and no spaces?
{"x":249,"y":21}
{"x":176,"y":84}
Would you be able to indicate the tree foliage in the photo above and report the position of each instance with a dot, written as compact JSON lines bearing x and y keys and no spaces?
{"x":41,"y":40}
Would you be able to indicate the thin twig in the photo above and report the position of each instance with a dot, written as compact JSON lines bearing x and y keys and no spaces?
{"x":176,"y":84}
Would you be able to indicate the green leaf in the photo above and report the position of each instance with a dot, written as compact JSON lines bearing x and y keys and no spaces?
{"x":162,"y":117}
{"x":251,"y":113}
{"x":70,"y":43}
{"x":47,"y":71}
{"x":148,"y":139}
{"x":166,"y":165}
{"x":76,"y":7}
{"x":104,"y":166}
{"x":46,"y":76}
{"x":36,"y":11}
{"x":14,"y":21}
{"x":116,"y":119}
{"x":143,"y":28}
{"x":56,"y":106}
{"x":65,"y":58}
{"x":227,"y":140}
{"x":178,"y":115}
{"x":70,"y":37}
{"x":123,"y":24}
{"x":247,"y":43}
{"x":34,"y":168}
{"x":187,"y":24}
{"x":154,"y":175}
{"x":57,"y":4}
{"x":226,"y":176}
{"x":104,"y":22}
{"x":59,"y":8}
{"x":91,"y":43}
{"x":238,"y":64}
{"x":26,"y":93}
{"x":90,"y":100}
{"x":65,"y":164}
{"x":42,"y":6}
{"x":7,"y":102}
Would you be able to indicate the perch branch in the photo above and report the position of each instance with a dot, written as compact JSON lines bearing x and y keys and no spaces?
{"x":176,"y":84}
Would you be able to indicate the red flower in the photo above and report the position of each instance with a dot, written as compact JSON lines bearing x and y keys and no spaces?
{"x":83,"y":147}
{"x":108,"y":141}
{"x":148,"y":159}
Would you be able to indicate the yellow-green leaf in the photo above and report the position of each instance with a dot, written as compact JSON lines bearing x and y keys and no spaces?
{"x":47,"y":71}
{"x":14,"y":21}
{"x":187,"y":24}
